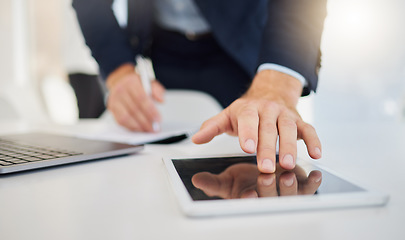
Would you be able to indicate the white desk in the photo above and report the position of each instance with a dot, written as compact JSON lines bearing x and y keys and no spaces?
{"x":130,"y":197}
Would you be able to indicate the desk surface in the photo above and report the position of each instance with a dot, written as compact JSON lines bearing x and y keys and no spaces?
{"x":130,"y":197}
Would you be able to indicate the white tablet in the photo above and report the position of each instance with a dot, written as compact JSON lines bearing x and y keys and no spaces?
{"x":224,"y":185}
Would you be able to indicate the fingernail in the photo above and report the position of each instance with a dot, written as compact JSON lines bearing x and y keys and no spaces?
{"x":250,"y":146}
{"x":318,"y":152}
{"x":288,"y":182}
{"x":156,"y":126}
{"x":250,"y":194}
{"x":288,"y":161}
{"x":268,"y":165}
{"x":268,"y":181}
{"x":317,"y":180}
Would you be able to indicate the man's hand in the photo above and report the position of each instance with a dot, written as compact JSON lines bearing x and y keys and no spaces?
{"x":267,"y":111}
{"x":243,"y":180}
{"x":237,"y":181}
{"x":129,"y":103}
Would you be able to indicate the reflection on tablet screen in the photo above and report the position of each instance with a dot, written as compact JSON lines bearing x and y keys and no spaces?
{"x":238,"y":177}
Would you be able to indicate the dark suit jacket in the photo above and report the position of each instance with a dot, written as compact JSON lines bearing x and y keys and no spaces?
{"x":284,"y":32}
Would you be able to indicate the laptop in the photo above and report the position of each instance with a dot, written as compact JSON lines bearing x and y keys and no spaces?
{"x":29,"y":151}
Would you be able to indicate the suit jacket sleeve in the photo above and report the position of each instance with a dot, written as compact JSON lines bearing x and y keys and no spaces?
{"x":107,"y":41}
{"x":292,"y":36}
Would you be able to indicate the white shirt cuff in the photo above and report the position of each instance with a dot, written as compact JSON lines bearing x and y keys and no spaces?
{"x":286,"y":70}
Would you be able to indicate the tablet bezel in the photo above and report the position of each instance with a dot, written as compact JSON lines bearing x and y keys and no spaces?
{"x":269,"y":205}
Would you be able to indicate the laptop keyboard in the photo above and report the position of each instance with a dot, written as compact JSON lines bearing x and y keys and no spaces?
{"x":12,"y":153}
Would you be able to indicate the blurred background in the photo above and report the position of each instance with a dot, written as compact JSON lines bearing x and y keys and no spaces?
{"x":362,"y":77}
{"x":363,"y":74}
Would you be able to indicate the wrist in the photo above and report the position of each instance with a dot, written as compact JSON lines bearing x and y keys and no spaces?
{"x":277,"y":86}
{"x":119,"y":73}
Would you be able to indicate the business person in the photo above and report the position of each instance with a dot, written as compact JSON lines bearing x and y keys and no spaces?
{"x":256,"y":57}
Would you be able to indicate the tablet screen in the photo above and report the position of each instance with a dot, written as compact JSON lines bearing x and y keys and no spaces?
{"x":238,"y":177}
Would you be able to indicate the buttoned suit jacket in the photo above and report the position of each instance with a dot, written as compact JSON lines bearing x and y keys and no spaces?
{"x":252,"y":32}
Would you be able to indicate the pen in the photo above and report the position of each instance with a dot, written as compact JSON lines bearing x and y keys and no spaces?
{"x":142,"y":69}
{"x":145,"y":70}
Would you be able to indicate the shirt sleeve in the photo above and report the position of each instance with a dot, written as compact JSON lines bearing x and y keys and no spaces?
{"x":286,"y":70}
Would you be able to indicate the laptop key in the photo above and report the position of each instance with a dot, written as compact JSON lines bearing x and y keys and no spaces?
{"x":45,"y":157}
{"x":3,"y":163}
{"x":32,"y":159}
{"x":18,"y":161}
{"x":61,"y":155}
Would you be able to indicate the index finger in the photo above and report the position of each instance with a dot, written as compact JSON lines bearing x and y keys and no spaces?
{"x":248,"y":125}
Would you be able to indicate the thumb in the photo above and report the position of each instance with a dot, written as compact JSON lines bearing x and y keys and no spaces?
{"x":207,"y":182}
{"x":158,"y":91}
{"x":212,"y":127}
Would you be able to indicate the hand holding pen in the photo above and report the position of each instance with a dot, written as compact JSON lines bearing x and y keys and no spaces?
{"x":132,"y":95}
{"x":145,"y":70}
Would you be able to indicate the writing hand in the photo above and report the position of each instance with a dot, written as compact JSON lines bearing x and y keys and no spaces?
{"x":267,"y":111}
{"x":129,"y":103}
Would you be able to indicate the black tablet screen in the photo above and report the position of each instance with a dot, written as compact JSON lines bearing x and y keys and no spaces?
{"x":238,"y":177}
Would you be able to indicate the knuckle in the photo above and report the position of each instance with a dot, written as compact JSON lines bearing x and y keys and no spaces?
{"x":308,"y":128}
{"x":243,"y":104}
{"x":268,"y":127}
{"x":148,"y":106}
{"x":135,"y":128}
{"x":238,"y":101}
{"x":123,"y":119}
{"x":113,"y":106}
{"x":119,"y":88}
{"x":249,"y":112}
{"x":287,"y":146}
{"x":247,"y":132}
{"x":287,"y":122}
{"x":138,"y":97}
{"x":128,"y":79}
{"x":209,"y":122}
{"x":266,"y":150}
{"x":270,"y":105}
{"x":206,"y":123}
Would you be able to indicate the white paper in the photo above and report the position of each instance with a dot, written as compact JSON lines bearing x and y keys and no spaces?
{"x":114,"y":132}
